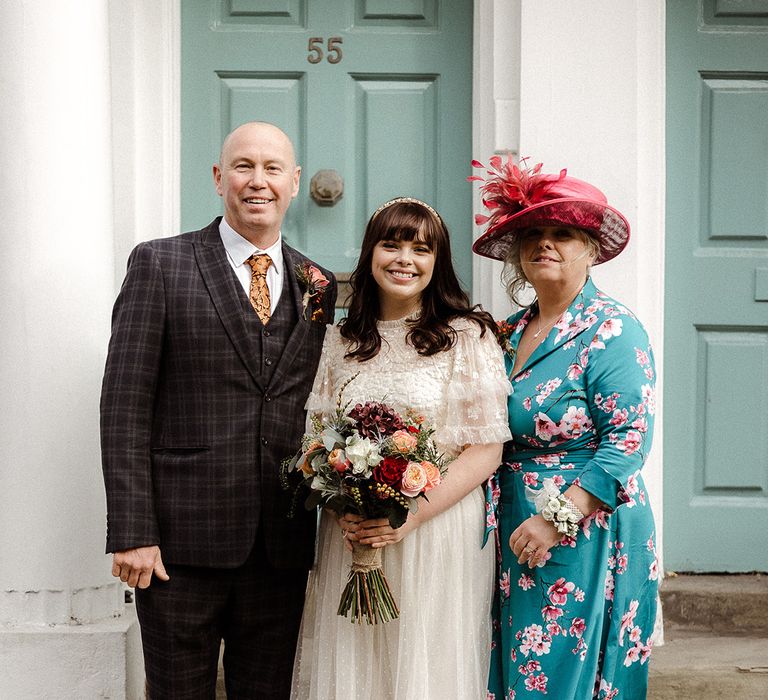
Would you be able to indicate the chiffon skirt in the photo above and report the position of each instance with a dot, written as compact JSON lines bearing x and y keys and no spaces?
{"x":439,"y":648}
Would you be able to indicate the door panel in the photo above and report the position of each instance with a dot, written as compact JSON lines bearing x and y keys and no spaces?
{"x":716,"y":329}
{"x":378,"y":90}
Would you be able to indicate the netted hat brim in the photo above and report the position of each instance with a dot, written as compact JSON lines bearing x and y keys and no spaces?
{"x":602,"y":221}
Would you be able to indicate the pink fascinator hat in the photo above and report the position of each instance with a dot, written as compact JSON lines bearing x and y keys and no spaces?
{"x":519,"y":198}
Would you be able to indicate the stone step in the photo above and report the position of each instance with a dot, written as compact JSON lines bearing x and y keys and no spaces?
{"x":709,"y":668}
{"x":728,"y":605}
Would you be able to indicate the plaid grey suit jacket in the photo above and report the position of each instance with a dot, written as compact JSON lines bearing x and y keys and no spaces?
{"x":192,"y":437}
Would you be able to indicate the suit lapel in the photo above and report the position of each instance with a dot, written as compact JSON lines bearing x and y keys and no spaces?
{"x":576,"y":320}
{"x":225,"y":294}
{"x":299,"y":334}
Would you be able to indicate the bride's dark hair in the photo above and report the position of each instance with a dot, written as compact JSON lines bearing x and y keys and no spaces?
{"x":442,"y":300}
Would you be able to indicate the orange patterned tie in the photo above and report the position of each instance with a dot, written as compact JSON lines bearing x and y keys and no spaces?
{"x":259,"y":294}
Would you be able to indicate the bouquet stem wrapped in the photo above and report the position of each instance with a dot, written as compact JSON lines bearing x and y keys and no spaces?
{"x":367,"y":594}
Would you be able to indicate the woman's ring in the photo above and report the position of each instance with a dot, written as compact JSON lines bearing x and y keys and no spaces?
{"x":344,"y":534}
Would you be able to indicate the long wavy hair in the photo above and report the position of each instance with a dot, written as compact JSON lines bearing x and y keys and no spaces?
{"x":442,"y":300}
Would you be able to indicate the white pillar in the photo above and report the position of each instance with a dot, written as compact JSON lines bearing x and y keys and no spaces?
{"x":63,"y":628}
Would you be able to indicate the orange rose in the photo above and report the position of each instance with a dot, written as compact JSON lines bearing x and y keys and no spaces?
{"x":434,"y":478}
{"x":403,"y":441}
{"x":414,"y":479}
{"x":338,"y":460}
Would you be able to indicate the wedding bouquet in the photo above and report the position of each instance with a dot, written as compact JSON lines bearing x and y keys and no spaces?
{"x":373,"y":462}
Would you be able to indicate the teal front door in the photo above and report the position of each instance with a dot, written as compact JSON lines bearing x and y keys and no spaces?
{"x":716,"y":304}
{"x":378,"y":91}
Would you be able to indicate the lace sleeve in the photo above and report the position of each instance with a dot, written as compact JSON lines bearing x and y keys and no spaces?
{"x":476,"y":397}
{"x":321,"y":399}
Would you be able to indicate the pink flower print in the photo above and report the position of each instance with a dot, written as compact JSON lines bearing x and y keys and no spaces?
{"x":558,"y":480}
{"x":569,"y":344}
{"x":527,"y":403}
{"x":504,"y":583}
{"x":633,"y":654}
{"x":551,"y":612}
{"x":632,"y":488}
{"x":621,"y":564}
{"x":525,"y":582}
{"x":550,"y":460}
{"x":631,"y":442}
{"x":649,"y":398}
{"x":648,"y":372}
{"x":598,"y":399}
{"x":610,"y":584}
{"x":545,"y":427}
{"x":574,"y":422}
{"x":642,"y":357}
{"x":634,"y":635}
{"x":645,"y":650}
{"x":653,"y":570}
{"x":512,"y":694}
{"x":609,"y":405}
{"x":559,"y":590}
{"x":524,"y":375}
{"x":542,"y":562}
{"x":515,"y":466}
{"x":578,"y":625}
{"x":521,"y":324}
{"x":640,"y":424}
{"x":553,"y":629}
{"x":578,"y":595}
{"x":538,"y":683}
{"x":489,"y":695}
{"x":650,"y":545}
{"x":628,"y":620}
{"x":546,"y":389}
{"x":530,"y":478}
{"x":620,"y":416}
{"x":610,"y":328}
{"x":574,"y":371}
{"x":529,"y":667}
{"x":534,"y":640}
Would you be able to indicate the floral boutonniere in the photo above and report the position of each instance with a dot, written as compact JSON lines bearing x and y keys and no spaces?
{"x":314,"y":283}
{"x":504,"y":331}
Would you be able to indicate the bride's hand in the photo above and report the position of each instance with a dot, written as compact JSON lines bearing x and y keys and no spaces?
{"x":379,"y":533}
{"x":349,"y":524}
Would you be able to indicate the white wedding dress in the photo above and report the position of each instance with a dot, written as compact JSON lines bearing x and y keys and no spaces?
{"x":441,"y":577}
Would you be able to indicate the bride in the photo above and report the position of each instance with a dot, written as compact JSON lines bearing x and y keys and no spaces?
{"x":415,"y":343}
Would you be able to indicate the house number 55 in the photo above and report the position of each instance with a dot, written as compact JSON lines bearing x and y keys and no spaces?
{"x":315,"y":49}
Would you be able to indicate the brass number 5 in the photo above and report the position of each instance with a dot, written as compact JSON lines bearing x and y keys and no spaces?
{"x":315,"y":49}
{"x":334,"y":47}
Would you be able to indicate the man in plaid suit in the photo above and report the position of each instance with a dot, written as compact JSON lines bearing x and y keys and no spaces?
{"x":201,"y":401}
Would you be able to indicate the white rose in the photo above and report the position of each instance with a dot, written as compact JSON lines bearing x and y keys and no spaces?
{"x":547,"y":513}
{"x":362,"y":453}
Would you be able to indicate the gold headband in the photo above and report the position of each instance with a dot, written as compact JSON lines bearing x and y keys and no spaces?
{"x":406,"y":200}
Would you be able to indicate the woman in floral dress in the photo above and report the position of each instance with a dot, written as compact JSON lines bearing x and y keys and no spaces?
{"x":411,"y":340}
{"x":578,"y":578}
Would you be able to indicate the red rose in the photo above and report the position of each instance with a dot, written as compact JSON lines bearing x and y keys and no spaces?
{"x":390,"y":471}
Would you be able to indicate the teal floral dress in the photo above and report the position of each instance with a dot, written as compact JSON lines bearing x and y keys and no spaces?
{"x":579,"y":625}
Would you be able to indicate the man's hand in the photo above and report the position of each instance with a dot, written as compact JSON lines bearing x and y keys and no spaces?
{"x":136,"y":566}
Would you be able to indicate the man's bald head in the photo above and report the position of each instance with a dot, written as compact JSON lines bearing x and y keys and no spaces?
{"x":254,"y":129}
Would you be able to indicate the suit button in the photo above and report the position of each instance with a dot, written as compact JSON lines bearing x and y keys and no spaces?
{"x":267,"y":398}
{"x":266,"y":333}
{"x":268,"y":361}
{"x":264,"y":441}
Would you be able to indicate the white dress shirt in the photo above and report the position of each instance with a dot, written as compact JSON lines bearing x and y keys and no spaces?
{"x":239,"y":250}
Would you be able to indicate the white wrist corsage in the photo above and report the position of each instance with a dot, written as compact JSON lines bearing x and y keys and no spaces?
{"x":556,"y":508}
